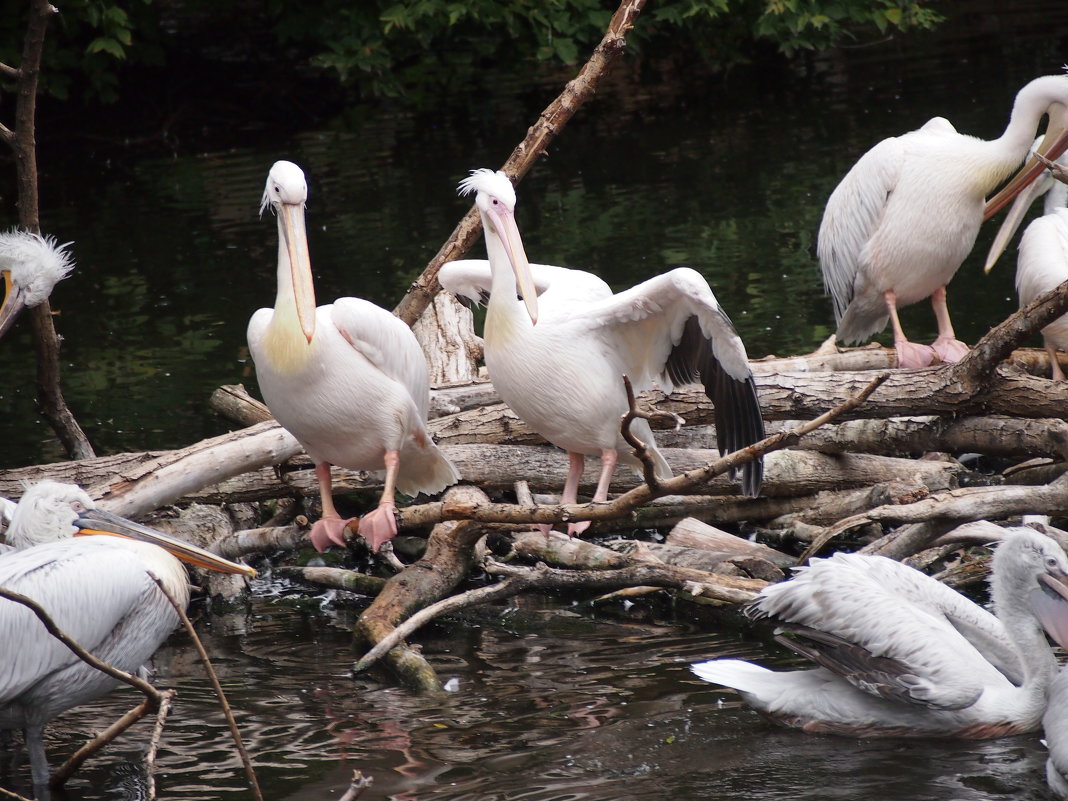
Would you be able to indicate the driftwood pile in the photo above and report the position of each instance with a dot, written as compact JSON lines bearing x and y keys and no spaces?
{"x":860,"y":456}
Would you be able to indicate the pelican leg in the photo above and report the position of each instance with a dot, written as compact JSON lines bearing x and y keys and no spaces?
{"x":909,"y":354}
{"x":1056,"y":373}
{"x":330,"y":528}
{"x":947,"y":346}
{"x":34,"y":740}
{"x":609,"y":456}
{"x":380,"y":525}
{"x":575,"y":463}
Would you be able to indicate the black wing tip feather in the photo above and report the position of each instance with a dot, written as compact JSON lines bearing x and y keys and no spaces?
{"x":738,"y":419}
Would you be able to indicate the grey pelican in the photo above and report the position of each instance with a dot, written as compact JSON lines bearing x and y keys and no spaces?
{"x":557,"y":356}
{"x":31,"y":265}
{"x":901,"y":654}
{"x":898,"y":226}
{"x":91,"y":571}
{"x":348,"y":380}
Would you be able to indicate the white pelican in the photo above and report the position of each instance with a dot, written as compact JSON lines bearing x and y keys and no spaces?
{"x":1042,"y":260}
{"x":903,"y":655}
{"x":97,"y":589}
{"x":900,"y":223}
{"x":563,"y":375}
{"x":1055,"y":727}
{"x":348,"y":380}
{"x":31,"y":265}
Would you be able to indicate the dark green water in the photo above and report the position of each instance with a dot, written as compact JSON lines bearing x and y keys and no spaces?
{"x":726,"y":174}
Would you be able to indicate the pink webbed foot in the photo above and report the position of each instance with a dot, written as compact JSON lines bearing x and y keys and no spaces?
{"x":329,"y":531}
{"x":379,"y":526}
{"x":544,"y":528}
{"x":949,"y":350}
{"x":574,"y":529}
{"x":909,"y":355}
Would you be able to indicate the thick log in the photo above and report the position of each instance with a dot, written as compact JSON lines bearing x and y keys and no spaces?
{"x":446,"y":333}
{"x":692,"y":533}
{"x":498,"y":467}
{"x":448,"y":559}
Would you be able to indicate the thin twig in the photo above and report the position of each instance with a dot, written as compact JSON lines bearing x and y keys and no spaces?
{"x":4,"y":793}
{"x":357,"y":786}
{"x":482,"y":595}
{"x":640,"y":448}
{"x":153,"y":743}
{"x":223,"y":703}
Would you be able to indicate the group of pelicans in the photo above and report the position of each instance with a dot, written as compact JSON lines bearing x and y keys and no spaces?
{"x":898,"y":653}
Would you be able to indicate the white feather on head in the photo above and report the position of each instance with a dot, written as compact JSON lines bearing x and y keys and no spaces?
{"x":36,"y":263}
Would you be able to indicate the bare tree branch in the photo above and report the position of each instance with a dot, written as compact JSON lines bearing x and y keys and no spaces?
{"x":537,"y":141}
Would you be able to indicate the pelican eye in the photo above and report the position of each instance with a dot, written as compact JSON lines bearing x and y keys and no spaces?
{"x":78,"y":507}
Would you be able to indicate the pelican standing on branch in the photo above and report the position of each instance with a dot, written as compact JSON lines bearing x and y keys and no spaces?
{"x":30,"y":265}
{"x":901,"y":654}
{"x":558,"y":343}
{"x":97,"y":589}
{"x":898,"y":226}
{"x":348,"y":380}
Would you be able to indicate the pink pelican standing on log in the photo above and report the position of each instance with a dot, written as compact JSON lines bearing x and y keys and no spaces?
{"x":898,"y":226}
{"x":348,"y":380}
{"x":558,"y":343}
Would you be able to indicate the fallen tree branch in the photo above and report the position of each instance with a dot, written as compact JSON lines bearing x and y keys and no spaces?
{"x":550,"y":122}
{"x":958,"y":505}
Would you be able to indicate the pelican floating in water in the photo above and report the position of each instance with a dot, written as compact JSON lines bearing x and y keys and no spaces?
{"x":900,"y":223}
{"x":901,"y":654}
{"x":31,"y":265}
{"x":348,"y":380}
{"x":97,"y":589}
{"x":559,"y":363}
{"x":1042,"y":260}
{"x":1055,"y":727}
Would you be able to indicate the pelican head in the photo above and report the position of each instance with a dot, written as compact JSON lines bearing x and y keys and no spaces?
{"x":495,"y":199}
{"x":286,"y":193}
{"x":31,"y":265}
{"x":50,"y":511}
{"x":1032,"y":565}
{"x":1047,"y":95}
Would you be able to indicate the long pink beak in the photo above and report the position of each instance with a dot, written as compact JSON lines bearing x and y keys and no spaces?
{"x":508,"y":231}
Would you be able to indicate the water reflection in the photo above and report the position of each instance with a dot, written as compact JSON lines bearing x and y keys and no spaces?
{"x":546,"y":709}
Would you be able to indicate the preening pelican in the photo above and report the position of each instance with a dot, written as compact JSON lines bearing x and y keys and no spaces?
{"x":31,"y":265}
{"x":559,"y":364}
{"x":901,"y":654}
{"x":97,"y":589}
{"x":1042,"y":260}
{"x":900,"y":223}
{"x":348,"y":380}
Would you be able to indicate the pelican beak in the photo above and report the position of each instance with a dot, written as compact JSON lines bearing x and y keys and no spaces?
{"x":1050,"y":604}
{"x":1016,"y":214}
{"x":295,"y":236}
{"x":1054,"y":143}
{"x":13,"y":303}
{"x":97,"y":521}
{"x":504,"y":221}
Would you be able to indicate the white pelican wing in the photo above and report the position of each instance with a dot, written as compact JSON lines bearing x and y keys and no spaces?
{"x":856,"y":209}
{"x":387,"y":343}
{"x":471,"y":279}
{"x":889,"y":630}
{"x":92,"y":590}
